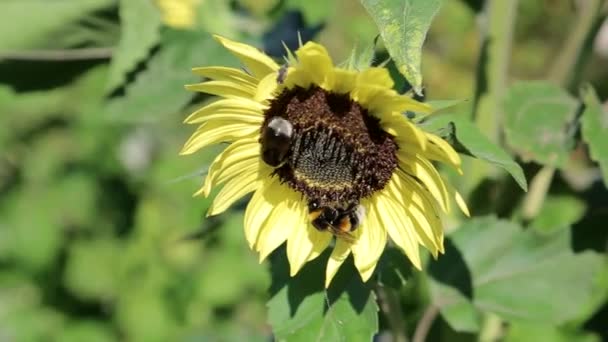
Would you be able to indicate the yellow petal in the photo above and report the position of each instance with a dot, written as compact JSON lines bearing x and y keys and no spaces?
{"x":423,"y":170}
{"x":421,"y":219}
{"x":227,"y":74}
{"x":370,"y":243}
{"x":223,"y":88}
{"x":302,"y":243}
{"x":338,"y":255}
{"x":238,"y":109}
{"x":314,"y":60}
{"x":440,"y":150}
{"x":399,"y":228}
{"x":217,"y":131}
{"x":240,"y":156}
{"x":266,"y":88}
{"x":258,"y":210}
{"x":282,"y":220}
{"x":462,"y":204}
{"x":407,"y":134}
{"x":375,"y":76}
{"x":258,"y":63}
{"x":344,"y":81}
{"x":420,"y":195}
{"x":234,"y":190}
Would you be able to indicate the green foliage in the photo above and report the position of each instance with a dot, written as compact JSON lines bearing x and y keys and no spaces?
{"x":146,"y":98}
{"x":403,"y":26}
{"x":140,"y":31}
{"x":467,"y":139}
{"x":595,"y":129}
{"x":530,"y":103}
{"x":558,"y":212}
{"x":491,"y":258}
{"x":40,"y":23}
{"x":301,"y":310}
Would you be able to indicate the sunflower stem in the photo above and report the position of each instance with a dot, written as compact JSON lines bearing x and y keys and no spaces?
{"x":389,"y":304}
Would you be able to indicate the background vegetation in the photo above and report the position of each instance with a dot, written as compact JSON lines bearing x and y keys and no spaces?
{"x":100,"y":239}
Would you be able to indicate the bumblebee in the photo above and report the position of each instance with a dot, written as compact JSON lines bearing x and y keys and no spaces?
{"x":339,"y":221}
{"x":276,"y":141}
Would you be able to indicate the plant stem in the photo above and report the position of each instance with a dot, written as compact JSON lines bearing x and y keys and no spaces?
{"x":561,"y":71}
{"x":499,"y":19}
{"x":389,"y":304}
{"x":425,"y":323}
{"x":58,"y":55}
{"x":539,"y":187}
{"x":491,"y":329}
{"x":497,"y":22}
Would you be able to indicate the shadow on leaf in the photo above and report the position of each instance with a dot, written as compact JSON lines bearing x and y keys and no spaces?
{"x":452,"y":270}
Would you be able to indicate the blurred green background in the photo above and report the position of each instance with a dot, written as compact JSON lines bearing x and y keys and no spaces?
{"x":100,"y":239}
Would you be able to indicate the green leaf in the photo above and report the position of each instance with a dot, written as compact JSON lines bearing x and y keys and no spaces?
{"x":300,"y":309}
{"x":486,"y":259}
{"x":86,"y":330}
{"x":101,"y":255}
{"x":466,"y":138}
{"x":440,"y":105}
{"x":35,"y":23}
{"x":523,"y":332}
{"x":403,"y":25}
{"x":538,"y":121}
{"x":159,"y":90}
{"x":558,"y":212}
{"x":140,"y":31}
{"x":595,"y":129}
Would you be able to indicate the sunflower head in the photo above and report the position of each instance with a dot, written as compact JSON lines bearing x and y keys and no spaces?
{"x":328,"y":155}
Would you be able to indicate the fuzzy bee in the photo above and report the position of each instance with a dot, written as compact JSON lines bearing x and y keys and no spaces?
{"x":276,"y":141}
{"x":339,"y":221}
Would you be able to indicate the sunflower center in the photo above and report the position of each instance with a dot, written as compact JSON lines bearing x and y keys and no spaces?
{"x":338,"y":153}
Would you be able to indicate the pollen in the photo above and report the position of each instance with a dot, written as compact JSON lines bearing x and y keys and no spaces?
{"x":338,"y":152}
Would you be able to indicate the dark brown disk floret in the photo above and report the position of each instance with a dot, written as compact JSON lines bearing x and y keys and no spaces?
{"x":338,"y":152}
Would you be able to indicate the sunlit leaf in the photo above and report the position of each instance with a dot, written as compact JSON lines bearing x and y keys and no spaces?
{"x":595,"y":129}
{"x":300,"y":310}
{"x":558,"y":212}
{"x":519,"y":275}
{"x":521,"y":332}
{"x":159,"y":90}
{"x":538,"y":121}
{"x":33,"y":23}
{"x":466,"y":138}
{"x":140,"y":31}
{"x":403,"y":25}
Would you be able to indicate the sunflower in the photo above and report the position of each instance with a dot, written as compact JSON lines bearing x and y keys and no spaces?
{"x":329,"y":156}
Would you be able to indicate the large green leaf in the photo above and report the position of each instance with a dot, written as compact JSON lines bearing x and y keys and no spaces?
{"x":524,"y":332}
{"x":466,"y":138}
{"x":140,"y":31}
{"x":300,"y":309}
{"x":403,"y":25}
{"x":32,"y":23}
{"x":159,"y":90}
{"x":494,"y":266}
{"x":538,"y":121}
{"x":595,"y":129}
{"x":558,"y":212}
